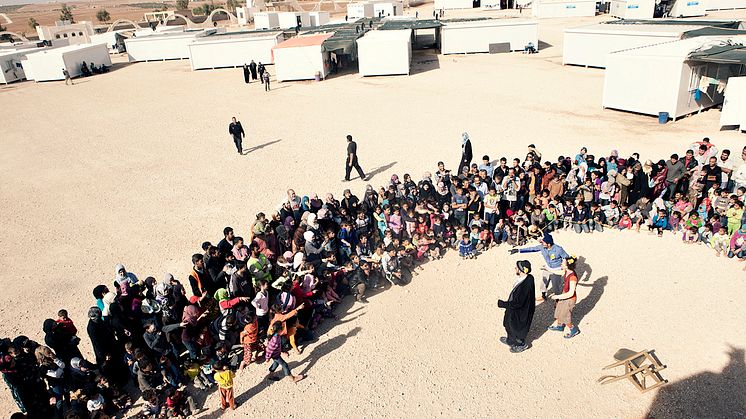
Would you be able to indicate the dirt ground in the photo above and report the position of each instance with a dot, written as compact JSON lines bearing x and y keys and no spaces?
{"x":136,"y":166}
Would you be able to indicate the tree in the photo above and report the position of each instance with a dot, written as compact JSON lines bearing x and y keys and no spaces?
{"x":66,"y":13}
{"x":182,"y":4}
{"x":206,"y":8}
{"x":232,"y":5}
{"x":103,"y":15}
{"x":32,"y":23}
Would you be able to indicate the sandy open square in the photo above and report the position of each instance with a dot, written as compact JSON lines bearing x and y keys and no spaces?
{"x":136,"y":166}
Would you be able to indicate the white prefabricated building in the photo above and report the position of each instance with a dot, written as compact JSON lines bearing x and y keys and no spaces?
{"x":290,"y":20}
{"x":632,"y":9}
{"x":319,"y":18}
{"x":477,"y":35}
{"x":590,"y":45}
{"x":159,"y":47}
{"x":659,"y":78}
{"x":266,"y":20}
{"x":453,"y":4}
{"x":388,"y":8}
{"x":113,"y":40}
{"x":301,"y":58}
{"x":725,"y":4}
{"x":563,"y":8}
{"x":232,"y":49}
{"x":688,"y":8}
{"x":385,"y":52}
{"x":48,"y":64}
{"x":11,"y":68}
{"x":360,"y":10}
{"x":734,"y":104}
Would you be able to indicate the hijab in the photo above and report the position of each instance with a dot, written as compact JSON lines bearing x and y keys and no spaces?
{"x":221,"y":294}
{"x":464,"y":139}
{"x":108,"y":301}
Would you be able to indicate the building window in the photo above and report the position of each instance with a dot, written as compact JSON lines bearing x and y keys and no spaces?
{"x":64,"y":35}
{"x":72,"y":34}
{"x":80,"y":33}
{"x":57,"y":36}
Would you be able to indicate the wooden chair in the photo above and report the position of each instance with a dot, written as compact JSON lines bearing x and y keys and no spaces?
{"x":639,"y":367}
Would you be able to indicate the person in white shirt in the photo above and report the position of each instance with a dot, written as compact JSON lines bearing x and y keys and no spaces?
{"x":727,"y":166}
{"x":261,"y":305}
{"x":739,"y":172}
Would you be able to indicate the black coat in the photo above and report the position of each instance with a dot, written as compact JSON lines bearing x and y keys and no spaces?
{"x":519,"y":309}
{"x":102,"y":339}
{"x":466,"y":154}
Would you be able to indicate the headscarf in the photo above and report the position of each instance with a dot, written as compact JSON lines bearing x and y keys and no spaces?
{"x":548,"y":239}
{"x":94,"y":313}
{"x":308,"y":236}
{"x":464,"y":139}
{"x":75,"y":363}
{"x":297,"y":260}
{"x":221,"y":294}
{"x":108,"y":300}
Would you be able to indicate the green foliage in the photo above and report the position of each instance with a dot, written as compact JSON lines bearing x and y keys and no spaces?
{"x":103,"y":15}
{"x":32,"y":23}
{"x":232,"y":5}
{"x":66,"y":13}
{"x":182,"y":4}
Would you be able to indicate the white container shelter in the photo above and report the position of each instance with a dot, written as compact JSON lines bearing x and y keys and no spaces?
{"x":658,"y":78}
{"x":266,"y":20}
{"x":563,"y":8}
{"x":383,"y":53}
{"x":301,"y":58}
{"x":319,"y":18}
{"x":453,"y":4}
{"x":111,"y":39}
{"x":734,"y":105}
{"x":590,"y":45}
{"x":360,"y":10}
{"x":725,"y":4}
{"x":688,"y":8}
{"x":48,"y":64}
{"x":232,"y":49}
{"x":159,"y":47}
{"x":11,"y":68}
{"x":477,"y":35}
{"x":388,"y":8}
{"x":632,"y":9}
{"x":288,"y":20}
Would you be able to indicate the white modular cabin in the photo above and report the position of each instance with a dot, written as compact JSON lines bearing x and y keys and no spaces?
{"x":48,"y":64}
{"x":734,"y":104}
{"x":301,"y":58}
{"x":388,"y":8}
{"x":114,"y":40}
{"x":319,"y":18}
{"x":232,"y":49}
{"x":266,"y":20}
{"x":563,"y":8}
{"x":590,"y":45}
{"x":632,"y":9}
{"x":360,"y":10}
{"x":11,"y":67}
{"x":688,"y":8}
{"x":660,"y":78}
{"x":477,"y":35}
{"x":289,"y":20}
{"x":385,"y":52}
{"x":453,"y":4}
{"x":160,"y":47}
{"x":725,"y":4}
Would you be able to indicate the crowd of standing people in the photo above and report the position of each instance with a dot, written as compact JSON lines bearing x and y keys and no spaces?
{"x":259,"y":297}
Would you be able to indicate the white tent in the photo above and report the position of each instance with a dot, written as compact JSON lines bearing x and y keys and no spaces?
{"x":159,"y":47}
{"x":48,"y":64}
{"x":725,"y":4}
{"x":232,"y":49}
{"x":266,"y":20}
{"x":590,"y":45}
{"x":360,"y":10}
{"x":632,"y":9}
{"x":688,"y":8}
{"x":11,"y":68}
{"x":563,"y":8}
{"x":661,"y":78}
{"x":288,"y":20}
{"x":382,"y":53}
{"x":477,"y":35}
{"x":734,"y":105}
{"x":453,"y":4}
{"x":301,"y":58}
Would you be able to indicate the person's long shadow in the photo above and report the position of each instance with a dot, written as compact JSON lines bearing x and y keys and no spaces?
{"x":544,"y":314}
{"x":379,"y":169}
{"x":705,"y":395}
{"x":260,"y":146}
{"x":327,"y":347}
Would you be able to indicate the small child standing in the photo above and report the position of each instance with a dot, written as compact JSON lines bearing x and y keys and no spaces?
{"x":224,"y":378}
{"x":720,"y":242}
{"x":250,"y":340}
{"x":465,"y":248}
{"x":274,"y":353}
{"x":65,"y":324}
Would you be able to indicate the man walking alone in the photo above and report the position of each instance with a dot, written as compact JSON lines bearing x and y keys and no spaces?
{"x":236,"y":131}
{"x":352,"y":160}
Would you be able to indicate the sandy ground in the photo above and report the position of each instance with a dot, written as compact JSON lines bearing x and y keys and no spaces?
{"x":136,"y":166}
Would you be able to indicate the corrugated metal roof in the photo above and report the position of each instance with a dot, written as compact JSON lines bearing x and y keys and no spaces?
{"x":721,"y":54}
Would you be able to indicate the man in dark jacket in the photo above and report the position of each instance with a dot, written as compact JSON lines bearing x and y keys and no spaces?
{"x":236,"y":131}
{"x":519,"y":308}
{"x":675,"y":171}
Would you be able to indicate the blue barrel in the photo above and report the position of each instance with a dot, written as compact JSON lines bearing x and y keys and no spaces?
{"x":662,"y":117}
